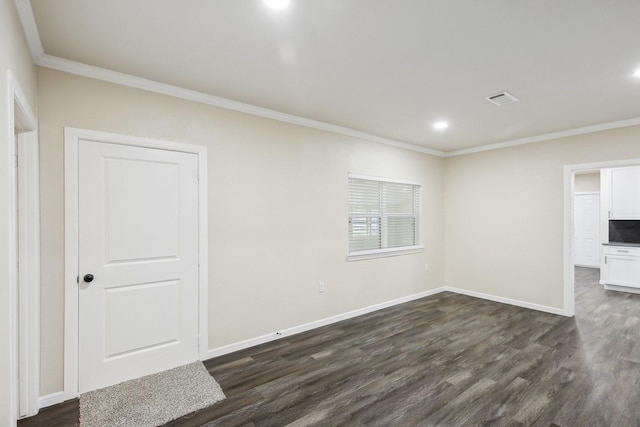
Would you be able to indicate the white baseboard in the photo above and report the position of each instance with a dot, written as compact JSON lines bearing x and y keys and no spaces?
{"x":509,"y":301}
{"x":59,"y":397}
{"x":219,"y":351}
{"x":51,"y":399}
{"x":621,"y":288}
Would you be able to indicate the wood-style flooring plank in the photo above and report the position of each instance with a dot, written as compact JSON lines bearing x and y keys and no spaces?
{"x":444,"y":360}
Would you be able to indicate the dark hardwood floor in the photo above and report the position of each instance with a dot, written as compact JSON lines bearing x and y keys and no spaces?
{"x":447,"y":360}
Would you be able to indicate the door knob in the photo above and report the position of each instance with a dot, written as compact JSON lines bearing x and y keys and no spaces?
{"x":88,"y":278}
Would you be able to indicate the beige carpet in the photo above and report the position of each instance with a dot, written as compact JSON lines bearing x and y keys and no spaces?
{"x":152,"y":400}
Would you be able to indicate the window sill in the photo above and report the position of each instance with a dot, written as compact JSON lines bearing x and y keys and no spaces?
{"x":383,"y":253}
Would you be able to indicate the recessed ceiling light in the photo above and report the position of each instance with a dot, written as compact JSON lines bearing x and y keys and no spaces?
{"x":277,"y":4}
{"x":440,"y":125}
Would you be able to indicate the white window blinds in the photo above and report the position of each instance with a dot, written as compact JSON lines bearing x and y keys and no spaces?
{"x":383,"y":215}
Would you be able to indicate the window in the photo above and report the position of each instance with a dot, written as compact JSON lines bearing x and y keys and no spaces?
{"x":383,"y":217}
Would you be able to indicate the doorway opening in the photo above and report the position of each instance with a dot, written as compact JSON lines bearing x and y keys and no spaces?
{"x":575,"y":179}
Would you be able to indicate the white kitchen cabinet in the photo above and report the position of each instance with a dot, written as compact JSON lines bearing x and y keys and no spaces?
{"x":624,"y":193}
{"x":622,"y":266}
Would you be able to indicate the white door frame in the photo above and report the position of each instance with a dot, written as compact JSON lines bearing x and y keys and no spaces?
{"x":569,"y":182}
{"x":24,"y":281}
{"x":72,"y":138}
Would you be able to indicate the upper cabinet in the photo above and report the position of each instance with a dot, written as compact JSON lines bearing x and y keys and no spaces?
{"x":624,"y":193}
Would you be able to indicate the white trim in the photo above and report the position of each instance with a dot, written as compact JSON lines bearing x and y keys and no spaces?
{"x":203,"y":252}
{"x":603,"y":165}
{"x":568,"y":197}
{"x":29,"y":275}
{"x":11,"y":242}
{"x":547,"y":136}
{"x":219,"y":351}
{"x":90,"y":71}
{"x":55,"y":398}
{"x":383,"y":253}
{"x":620,"y":288}
{"x":42,"y":59}
{"x":52,"y":399}
{"x":517,"y":303}
{"x":72,"y":138}
{"x":241,"y":345}
{"x":586,"y":193}
{"x":568,"y":296}
{"x":382,"y":179}
{"x":70,"y":385}
{"x":123,"y":79}
{"x":24,"y":283}
{"x":25,"y":12}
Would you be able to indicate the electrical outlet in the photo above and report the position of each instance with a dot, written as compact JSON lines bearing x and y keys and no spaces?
{"x":322,"y":288}
{"x":426,"y":267}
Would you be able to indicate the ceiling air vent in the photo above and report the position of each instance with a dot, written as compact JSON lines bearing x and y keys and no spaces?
{"x":501,"y":98}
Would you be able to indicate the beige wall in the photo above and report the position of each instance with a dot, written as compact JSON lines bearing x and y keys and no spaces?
{"x":587,"y":182}
{"x":14,"y":56}
{"x":504,"y":214}
{"x":270,"y":183}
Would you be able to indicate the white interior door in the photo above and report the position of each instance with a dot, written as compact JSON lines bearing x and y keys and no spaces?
{"x":586,"y":232}
{"x":138,"y":238}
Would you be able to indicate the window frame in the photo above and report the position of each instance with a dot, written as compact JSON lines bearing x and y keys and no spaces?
{"x":384,"y":252}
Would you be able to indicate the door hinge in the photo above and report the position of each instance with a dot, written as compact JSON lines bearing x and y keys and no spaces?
{"x":609,"y":214}
{"x":78,"y":280}
{"x":605,"y":259}
{"x":16,"y":161}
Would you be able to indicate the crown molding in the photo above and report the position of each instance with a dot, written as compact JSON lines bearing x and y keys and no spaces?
{"x":90,"y":71}
{"x":547,"y":136}
{"x":25,"y":12}
{"x":40,"y":58}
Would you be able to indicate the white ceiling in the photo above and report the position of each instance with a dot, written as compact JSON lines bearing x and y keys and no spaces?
{"x":387,"y":68}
